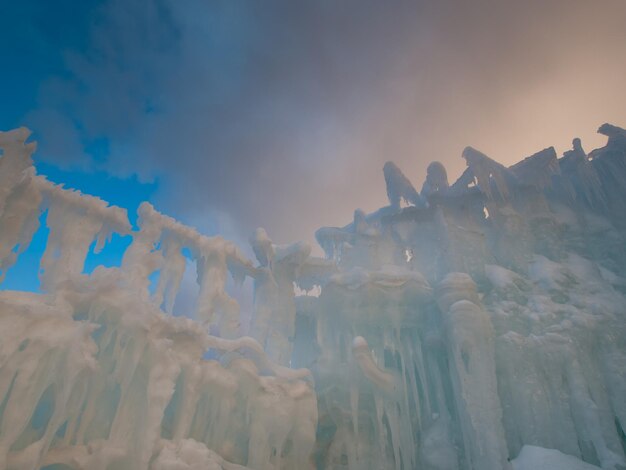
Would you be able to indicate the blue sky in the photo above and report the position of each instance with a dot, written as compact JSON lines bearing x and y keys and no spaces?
{"x":33,"y":39}
{"x":235,"y":114}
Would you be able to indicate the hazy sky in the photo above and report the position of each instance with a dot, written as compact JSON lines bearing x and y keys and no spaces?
{"x":282,"y":113}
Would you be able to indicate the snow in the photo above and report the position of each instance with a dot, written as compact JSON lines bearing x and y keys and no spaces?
{"x":538,"y":458}
{"x":437,"y":338}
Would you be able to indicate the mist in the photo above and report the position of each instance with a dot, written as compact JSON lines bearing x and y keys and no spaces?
{"x":255,"y":114}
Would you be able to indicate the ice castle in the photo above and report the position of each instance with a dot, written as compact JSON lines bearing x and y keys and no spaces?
{"x":479,"y":325}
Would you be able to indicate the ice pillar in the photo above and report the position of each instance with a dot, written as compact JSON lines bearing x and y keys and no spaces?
{"x":470,"y":340}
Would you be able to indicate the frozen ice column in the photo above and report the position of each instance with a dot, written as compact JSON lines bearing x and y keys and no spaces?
{"x":158,"y":245}
{"x":19,"y":199}
{"x":470,"y":343}
{"x":274,"y":299}
{"x":75,"y":220}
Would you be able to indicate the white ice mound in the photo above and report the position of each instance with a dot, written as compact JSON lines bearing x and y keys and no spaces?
{"x":188,"y":454}
{"x":538,"y":458}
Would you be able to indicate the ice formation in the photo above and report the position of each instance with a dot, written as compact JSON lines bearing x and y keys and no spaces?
{"x":474,"y":326}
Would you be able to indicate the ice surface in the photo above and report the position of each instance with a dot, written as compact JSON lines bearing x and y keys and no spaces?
{"x":473,"y":326}
{"x":538,"y":458}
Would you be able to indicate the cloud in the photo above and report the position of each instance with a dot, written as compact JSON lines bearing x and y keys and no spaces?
{"x":282,"y":113}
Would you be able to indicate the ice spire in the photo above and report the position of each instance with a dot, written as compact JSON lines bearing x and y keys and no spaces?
{"x":399,"y":188}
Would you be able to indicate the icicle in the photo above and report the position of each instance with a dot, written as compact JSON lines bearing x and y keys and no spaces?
{"x":538,"y":169}
{"x":75,"y":221}
{"x":579,"y":175}
{"x":212,"y":257}
{"x":141,"y":258}
{"x":382,"y":379}
{"x":18,"y":222}
{"x":484,"y":169}
{"x":15,"y":159}
{"x":274,"y":317}
{"x":399,"y":188}
{"x":172,"y":271}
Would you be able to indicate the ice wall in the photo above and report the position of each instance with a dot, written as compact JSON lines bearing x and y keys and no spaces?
{"x":95,"y":375}
{"x":524,"y":345}
{"x":521,"y":342}
{"x":476,"y":325}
